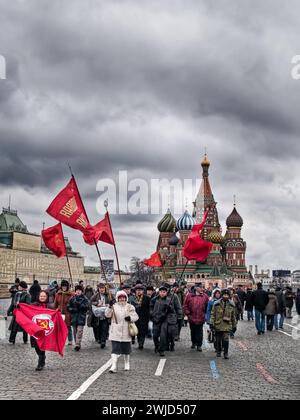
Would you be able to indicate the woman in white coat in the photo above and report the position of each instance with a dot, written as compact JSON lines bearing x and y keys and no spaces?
{"x":121,"y":314}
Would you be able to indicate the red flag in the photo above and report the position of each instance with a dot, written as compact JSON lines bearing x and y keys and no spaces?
{"x":67,"y":207}
{"x":46,"y":325}
{"x":195,"y":247}
{"x":54,"y":240}
{"x":100,"y":232}
{"x":154,"y":260}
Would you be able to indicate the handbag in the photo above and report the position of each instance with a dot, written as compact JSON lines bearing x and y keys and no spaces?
{"x":133,"y":329}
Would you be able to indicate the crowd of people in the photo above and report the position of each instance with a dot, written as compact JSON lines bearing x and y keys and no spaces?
{"x":130,"y":314}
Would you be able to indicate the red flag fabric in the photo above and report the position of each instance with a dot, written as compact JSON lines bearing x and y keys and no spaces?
{"x":67,"y":208}
{"x":195,"y":247}
{"x":46,"y":325}
{"x":100,"y":232}
{"x":54,"y":240}
{"x":154,"y":260}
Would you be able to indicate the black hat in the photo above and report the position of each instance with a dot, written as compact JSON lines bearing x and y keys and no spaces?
{"x":165,"y":288}
{"x":175,"y":284}
{"x":150,"y":288}
{"x":139,"y":286}
{"x":126,"y":286}
{"x":199,"y":285}
{"x":64,"y":283}
{"x":23,"y":284}
{"x":225,"y":292}
{"x":78,"y":288}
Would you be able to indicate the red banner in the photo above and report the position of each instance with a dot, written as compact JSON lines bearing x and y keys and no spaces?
{"x":54,"y":240}
{"x":46,"y":325}
{"x":154,"y":260}
{"x":195,"y":247}
{"x":67,"y":207}
{"x":101,"y":232}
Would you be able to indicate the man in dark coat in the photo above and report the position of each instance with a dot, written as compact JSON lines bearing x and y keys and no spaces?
{"x":164,"y":311}
{"x":289,"y":301}
{"x":195,"y":307}
{"x":260,"y":300}
{"x":34,"y":291}
{"x":22,"y":296}
{"x":141,"y":302}
{"x":249,"y":305}
{"x":78,"y":307}
{"x":281,"y":312}
{"x":180,"y":294}
{"x":242,"y":296}
{"x":100,"y":301}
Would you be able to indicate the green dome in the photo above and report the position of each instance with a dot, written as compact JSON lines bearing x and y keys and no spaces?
{"x":167,"y":223}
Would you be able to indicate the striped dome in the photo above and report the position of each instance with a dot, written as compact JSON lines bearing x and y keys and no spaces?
{"x":167,"y":223}
{"x":186,"y":222}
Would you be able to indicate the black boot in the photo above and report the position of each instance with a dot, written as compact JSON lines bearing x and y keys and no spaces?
{"x":40,"y":365}
{"x":226,"y":348}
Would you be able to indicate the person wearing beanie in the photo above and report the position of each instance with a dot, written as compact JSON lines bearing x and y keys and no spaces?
{"x":43,"y":302}
{"x":22,"y":296}
{"x":216,"y":295}
{"x":141,"y":302}
{"x":165,"y":310}
{"x":99,"y":322}
{"x":223,"y":320}
{"x":195,"y":307}
{"x":179,"y":292}
{"x":78,"y":307}
{"x":121,"y":314}
{"x":62,"y":299}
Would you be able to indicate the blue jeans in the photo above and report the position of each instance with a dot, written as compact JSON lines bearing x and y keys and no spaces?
{"x":250,"y":315}
{"x":281,"y":321}
{"x":260,"y":320}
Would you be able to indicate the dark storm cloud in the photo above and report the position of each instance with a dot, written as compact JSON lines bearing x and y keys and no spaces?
{"x":145,"y":86}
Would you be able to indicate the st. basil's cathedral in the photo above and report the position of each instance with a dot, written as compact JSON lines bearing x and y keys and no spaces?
{"x":226,"y":263}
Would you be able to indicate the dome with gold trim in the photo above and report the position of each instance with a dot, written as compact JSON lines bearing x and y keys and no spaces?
{"x":215,"y":237}
{"x":167,"y":223}
{"x":205,"y":161}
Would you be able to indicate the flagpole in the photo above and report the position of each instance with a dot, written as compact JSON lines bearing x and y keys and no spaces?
{"x":67,"y":257}
{"x":115,"y":247}
{"x":96,"y":245}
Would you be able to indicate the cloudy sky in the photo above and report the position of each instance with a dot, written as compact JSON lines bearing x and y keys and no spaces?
{"x":145,"y":86}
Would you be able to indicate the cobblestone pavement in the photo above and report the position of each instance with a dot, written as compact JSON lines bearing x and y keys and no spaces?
{"x":260,"y":367}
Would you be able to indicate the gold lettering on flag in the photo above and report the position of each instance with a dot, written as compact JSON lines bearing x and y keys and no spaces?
{"x":70,"y":208}
{"x":82,"y":221}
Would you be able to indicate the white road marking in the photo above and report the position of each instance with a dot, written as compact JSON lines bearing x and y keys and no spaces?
{"x":292,"y":326}
{"x":282,"y":332}
{"x":160,"y":367}
{"x":81,"y":390}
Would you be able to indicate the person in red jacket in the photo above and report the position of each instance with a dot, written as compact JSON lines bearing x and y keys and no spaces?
{"x":195,"y":307}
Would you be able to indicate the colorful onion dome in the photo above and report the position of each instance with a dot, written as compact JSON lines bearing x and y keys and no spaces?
{"x":174,"y":240}
{"x":234,"y":220}
{"x":215,"y":237}
{"x":186,"y":222}
{"x":167,"y":223}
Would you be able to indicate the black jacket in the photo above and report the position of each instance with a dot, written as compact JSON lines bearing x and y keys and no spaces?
{"x":249,"y":302}
{"x":78,"y":307}
{"x":166,"y":310}
{"x":143,"y":312}
{"x":260,"y":299}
